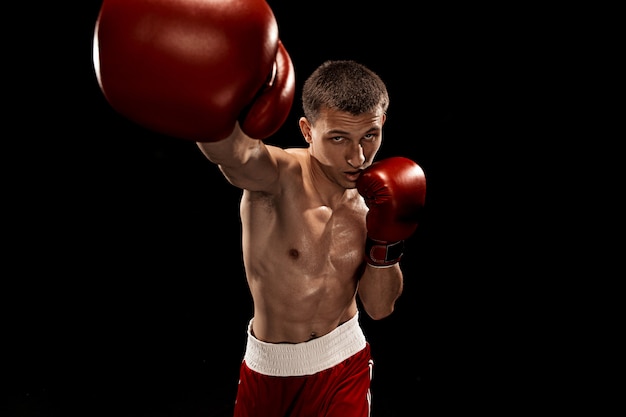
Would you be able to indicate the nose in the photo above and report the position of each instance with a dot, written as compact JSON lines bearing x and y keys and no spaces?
{"x":356,"y":158}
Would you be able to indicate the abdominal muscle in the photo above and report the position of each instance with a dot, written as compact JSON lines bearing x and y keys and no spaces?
{"x":296,"y":309}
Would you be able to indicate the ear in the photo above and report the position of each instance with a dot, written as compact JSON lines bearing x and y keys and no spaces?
{"x":305,"y":128}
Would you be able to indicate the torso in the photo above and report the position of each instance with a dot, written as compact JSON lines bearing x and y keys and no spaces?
{"x":303,"y":257}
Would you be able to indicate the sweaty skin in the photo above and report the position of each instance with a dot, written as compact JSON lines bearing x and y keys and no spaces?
{"x":303,"y":226}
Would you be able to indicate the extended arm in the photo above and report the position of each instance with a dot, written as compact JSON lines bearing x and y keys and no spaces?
{"x":246,"y":163}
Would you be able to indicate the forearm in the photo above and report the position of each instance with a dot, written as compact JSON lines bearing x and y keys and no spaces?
{"x":230,"y":151}
{"x":379,"y":289}
{"x":246,"y":162}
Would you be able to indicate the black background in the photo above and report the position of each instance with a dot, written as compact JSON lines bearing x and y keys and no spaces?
{"x":124,"y":293}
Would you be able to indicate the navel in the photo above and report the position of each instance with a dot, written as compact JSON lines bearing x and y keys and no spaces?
{"x":293,"y":253}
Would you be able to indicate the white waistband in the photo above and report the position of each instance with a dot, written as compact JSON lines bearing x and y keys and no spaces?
{"x":307,"y":358}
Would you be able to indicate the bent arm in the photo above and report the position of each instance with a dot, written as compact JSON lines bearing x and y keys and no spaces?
{"x":246,"y":162}
{"x":379,"y":289}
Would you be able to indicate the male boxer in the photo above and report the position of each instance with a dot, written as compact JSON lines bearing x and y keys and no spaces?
{"x":321,"y":224}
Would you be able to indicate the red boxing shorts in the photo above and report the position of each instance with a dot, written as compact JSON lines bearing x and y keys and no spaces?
{"x":328,"y":376}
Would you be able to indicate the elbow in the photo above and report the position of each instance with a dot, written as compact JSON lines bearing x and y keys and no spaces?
{"x":379,"y":312}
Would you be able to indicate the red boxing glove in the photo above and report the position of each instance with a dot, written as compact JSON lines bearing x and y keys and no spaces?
{"x":192,"y":68}
{"x":394,"y":189}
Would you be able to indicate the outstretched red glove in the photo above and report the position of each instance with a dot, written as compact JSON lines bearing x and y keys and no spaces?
{"x":191,"y":69}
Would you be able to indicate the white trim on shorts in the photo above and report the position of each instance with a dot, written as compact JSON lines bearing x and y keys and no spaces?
{"x":306,"y":358}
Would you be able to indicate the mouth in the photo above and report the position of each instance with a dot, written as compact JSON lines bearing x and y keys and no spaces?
{"x":352,"y":175}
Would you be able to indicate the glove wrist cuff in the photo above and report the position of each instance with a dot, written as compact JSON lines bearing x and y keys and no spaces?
{"x":382,"y":254}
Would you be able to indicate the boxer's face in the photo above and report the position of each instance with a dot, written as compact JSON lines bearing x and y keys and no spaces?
{"x":344,"y":144}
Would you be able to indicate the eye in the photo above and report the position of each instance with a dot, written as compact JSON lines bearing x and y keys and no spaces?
{"x":337,"y":138}
{"x":369,"y":137}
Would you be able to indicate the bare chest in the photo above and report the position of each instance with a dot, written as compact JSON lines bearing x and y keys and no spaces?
{"x":322,"y":240}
